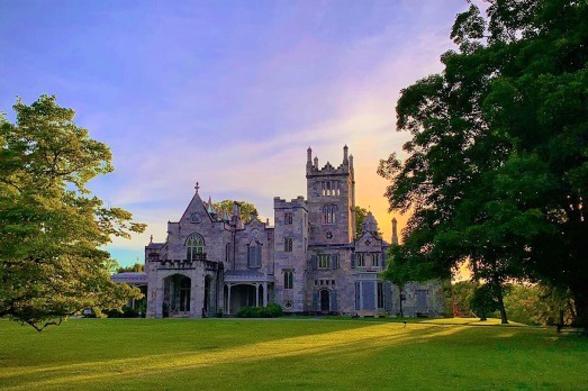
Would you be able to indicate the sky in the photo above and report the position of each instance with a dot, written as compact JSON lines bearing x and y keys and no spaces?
{"x":226,"y":93}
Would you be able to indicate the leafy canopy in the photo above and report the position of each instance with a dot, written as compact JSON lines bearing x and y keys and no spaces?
{"x":497,"y":166}
{"x":248,"y":210}
{"x":52,"y":229}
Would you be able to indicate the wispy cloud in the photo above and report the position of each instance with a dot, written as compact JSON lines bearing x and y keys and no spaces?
{"x":230,"y":96}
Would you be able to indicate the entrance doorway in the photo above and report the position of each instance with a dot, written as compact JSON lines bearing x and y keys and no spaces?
{"x":325,"y":300}
{"x":176,"y":295}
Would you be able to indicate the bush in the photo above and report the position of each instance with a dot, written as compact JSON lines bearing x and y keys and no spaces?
{"x":483,"y":303}
{"x":271,"y":311}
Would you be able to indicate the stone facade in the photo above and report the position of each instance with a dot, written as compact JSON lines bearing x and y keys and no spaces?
{"x":310,"y":261}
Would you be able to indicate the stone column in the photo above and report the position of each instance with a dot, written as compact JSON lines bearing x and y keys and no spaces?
{"x":257,"y":294}
{"x":158,"y":295}
{"x":197,"y":294}
{"x":229,"y":285}
{"x":265,"y":294}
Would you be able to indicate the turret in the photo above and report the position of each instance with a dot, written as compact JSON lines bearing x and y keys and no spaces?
{"x":345,"y":156}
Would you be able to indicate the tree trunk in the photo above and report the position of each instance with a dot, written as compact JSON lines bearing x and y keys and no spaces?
{"x":503,"y":317}
{"x":581,"y":307}
{"x":401,"y":300}
{"x":500,"y":298}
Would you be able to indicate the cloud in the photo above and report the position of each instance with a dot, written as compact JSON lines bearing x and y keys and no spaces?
{"x":282,"y":106}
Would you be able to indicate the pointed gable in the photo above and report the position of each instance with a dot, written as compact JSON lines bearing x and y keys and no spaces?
{"x":196,"y":212}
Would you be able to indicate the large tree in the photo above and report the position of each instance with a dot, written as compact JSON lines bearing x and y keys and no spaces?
{"x":248,"y":211}
{"x":497,"y":167}
{"x":52,"y":229}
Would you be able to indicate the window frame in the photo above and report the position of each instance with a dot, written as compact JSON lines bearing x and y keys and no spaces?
{"x":380,"y":295}
{"x":194,"y":244}
{"x":288,"y":244}
{"x":323,"y":261}
{"x":288,"y":279}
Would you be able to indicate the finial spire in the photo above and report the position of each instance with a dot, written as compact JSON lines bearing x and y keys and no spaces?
{"x":196,"y":187}
{"x":345,"y":155}
{"x":151,"y":239}
{"x":309,"y":155}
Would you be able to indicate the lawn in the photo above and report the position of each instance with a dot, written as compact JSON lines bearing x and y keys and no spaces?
{"x":288,"y":353}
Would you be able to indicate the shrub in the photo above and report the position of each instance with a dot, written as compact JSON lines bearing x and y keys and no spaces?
{"x":271,"y":311}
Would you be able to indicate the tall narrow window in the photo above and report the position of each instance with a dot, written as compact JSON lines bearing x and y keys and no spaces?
{"x":194,"y":247}
{"x":228,"y":252}
{"x":288,"y":245}
{"x":288,"y":218}
{"x":375,"y":259}
{"x":323,"y":261}
{"x":288,"y":280}
{"x":360,"y":259}
{"x":329,"y":214}
{"x":254,"y":255}
{"x":380,"y":295}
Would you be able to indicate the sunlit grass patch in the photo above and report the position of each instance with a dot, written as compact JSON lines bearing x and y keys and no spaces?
{"x":176,"y":354}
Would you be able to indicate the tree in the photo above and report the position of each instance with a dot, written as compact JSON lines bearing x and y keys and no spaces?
{"x":248,"y":210}
{"x":137,"y":267}
{"x":52,"y":229}
{"x":497,"y":167}
{"x":360,"y":215}
{"x":483,"y":301}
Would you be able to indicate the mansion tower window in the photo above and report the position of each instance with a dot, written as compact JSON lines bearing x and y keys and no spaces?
{"x":288,"y":245}
{"x":194,"y":247}
{"x":330,"y":189}
{"x":288,"y":218}
{"x":288,"y":279}
{"x":329,"y":214}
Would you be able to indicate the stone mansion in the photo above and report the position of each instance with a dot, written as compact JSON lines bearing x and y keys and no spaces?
{"x":310,"y":261}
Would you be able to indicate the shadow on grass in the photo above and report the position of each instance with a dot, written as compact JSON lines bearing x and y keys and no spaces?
{"x":345,"y":341}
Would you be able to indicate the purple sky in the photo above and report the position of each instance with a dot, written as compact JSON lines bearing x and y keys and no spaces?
{"x":229,"y":93}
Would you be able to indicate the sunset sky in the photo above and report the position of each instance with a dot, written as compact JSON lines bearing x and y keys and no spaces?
{"x":226,"y":93}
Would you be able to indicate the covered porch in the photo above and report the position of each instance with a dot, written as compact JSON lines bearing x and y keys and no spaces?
{"x":246,"y":289}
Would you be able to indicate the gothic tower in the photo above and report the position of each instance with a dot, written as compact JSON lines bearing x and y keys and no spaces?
{"x":331,"y":199}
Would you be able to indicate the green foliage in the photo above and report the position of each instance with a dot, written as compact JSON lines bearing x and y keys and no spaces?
{"x":483,"y":302}
{"x":248,"y":210}
{"x":271,"y":311}
{"x":52,"y":229}
{"x":360,"y":215}
{"x":461,"y":297}
{"x":538,"y":305}
{"x":137,"y":267}
{"x":497,"y":167}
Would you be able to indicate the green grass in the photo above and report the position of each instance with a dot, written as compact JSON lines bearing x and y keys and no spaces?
{"x":289,"y":353}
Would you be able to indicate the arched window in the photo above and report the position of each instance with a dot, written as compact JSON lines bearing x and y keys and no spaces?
{"x":194,"y":247}
{"x":329,"y":214}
